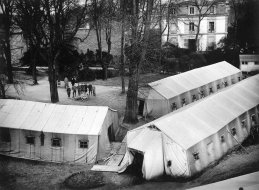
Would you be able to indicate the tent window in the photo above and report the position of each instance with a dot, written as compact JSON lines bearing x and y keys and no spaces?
{"x":42,"y":136}
{"x":169,"y":163}
{"x":202,"y":94}
{"x":194,"y":98}
{"x":226,"y":83}
{"x":183,"y":102}
{"x":239,"y":79}
{"x":83,"y":144}
{"x":218,"y":86}
{"x":196,"y":156}
{"x":222,"y":138}
{"x":56,"y":142}
{"x":174,"y":106}
{"x":30,"y":140}
{"x":233,"y":131}
{"x":211,"y":91}
{"x":233,"y":81}
{"x":5,"y":135}
{"x":243,"y":123}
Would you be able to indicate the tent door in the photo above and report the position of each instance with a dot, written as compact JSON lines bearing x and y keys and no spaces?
{"x":136,"y":166}
{"x":111,"y":135}
{"x":141,"y":107}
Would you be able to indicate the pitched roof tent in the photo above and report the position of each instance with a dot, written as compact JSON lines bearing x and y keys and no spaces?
{"x":175,"y":85}
{"x":194,"y":123}
{"x":53,"y":118}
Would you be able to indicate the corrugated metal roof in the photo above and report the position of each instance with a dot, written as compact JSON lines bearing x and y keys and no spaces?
{"x":54,"y":118}
{"x":206,"y":117}
{"x":178,"y":84}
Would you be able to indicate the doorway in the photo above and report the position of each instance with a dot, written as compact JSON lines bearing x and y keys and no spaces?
{"x":141,"y":107}
{"x":111,"y":135}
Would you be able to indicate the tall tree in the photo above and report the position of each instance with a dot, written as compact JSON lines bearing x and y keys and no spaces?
{"x":63,"y":19}
{"x":8,"y":9}
{"x":122,"y":58}
{"x":202,"y":7}
{"x":30,"y":20}
{"x":140,"y":21}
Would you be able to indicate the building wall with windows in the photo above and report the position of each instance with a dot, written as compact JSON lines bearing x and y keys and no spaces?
{"x":213,"y":26}
{"x":249,"y":63}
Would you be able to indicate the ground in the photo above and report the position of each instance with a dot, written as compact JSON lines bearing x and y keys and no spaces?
{"x":24,"y":174}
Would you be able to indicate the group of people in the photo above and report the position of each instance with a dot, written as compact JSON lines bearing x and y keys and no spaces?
{"x":83,"y":90}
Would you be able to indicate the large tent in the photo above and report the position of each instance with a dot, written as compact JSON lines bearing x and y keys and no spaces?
{"x":184,"y":142}
{"x":171,"y":93}
{"x":58,"y":133}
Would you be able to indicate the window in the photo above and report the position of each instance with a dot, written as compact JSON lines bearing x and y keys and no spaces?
{"x":169,"y":163}
{"x":193,"y":98}
{"x":239,"y":78}
{"x":244,"y":62}
{"x":225,"y":83}
{"x":30,"y":140}
{"x":196,"y":156}
{"x":191,"y":26}
{"x":243,"y":123}
{"x":5,"y":135}
{"x":212,"y":10}
{"x":173,"y":11}
{"x":233,"y":131}
{"x":174,"y":106}
{"x":218,"y":86}
{"x":202,"y":94}
{"x":211,"y":90}
{"x":42,"y":136}
{"x":211,"y":27}
{"x":83,"y":144}
{"x":183,"y":102}
{"x":56,"y":142}
{"x":222,"y":138}
{"x":191,"y":10}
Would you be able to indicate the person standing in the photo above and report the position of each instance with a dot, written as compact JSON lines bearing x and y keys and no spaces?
{"x":73,"y":81}
{"x":74,"y":91}
{"x":94,"y":92}
{"x":90,"y":87}
{"x":68,"y":91}
{"x":66,"y":82}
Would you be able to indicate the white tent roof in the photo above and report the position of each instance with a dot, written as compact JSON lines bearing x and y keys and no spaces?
{"x":175,"y":85}
{"x":54,"y":118}
{"x":199,"y":120}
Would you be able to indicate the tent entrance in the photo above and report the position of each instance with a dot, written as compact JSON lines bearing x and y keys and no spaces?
{"x":136,"y":166}
{"x":111,"y":135}
{"x":141,"y":107}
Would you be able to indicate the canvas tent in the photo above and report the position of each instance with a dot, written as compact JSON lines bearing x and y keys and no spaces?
{"x":184,"y":142}
{"x":171,"y":93}
{"x":58,"y":133}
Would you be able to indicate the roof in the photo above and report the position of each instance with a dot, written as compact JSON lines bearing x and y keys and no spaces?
{"x":178,"y":84}
{"x":189,"y":126}
{"x":53,"y":118}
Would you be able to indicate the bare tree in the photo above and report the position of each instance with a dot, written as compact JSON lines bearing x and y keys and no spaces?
{"x":140,"y":23}
{"x":8,"y":9}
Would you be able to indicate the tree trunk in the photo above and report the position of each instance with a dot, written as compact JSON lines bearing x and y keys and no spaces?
{"x":132,"y":94}
{"x":197,"y":33}
{"x":7,"y":51}
{"x":122,"y":65}
{"x":2,"y":90}
{"x":53,"y":84}
{"x":34,"y":70}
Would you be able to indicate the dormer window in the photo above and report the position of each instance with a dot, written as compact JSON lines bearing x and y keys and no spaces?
{"x":211,"y":90}
{"x":174,"y":106}
{"x":183,"y":102}
{"x":194,"y":98}
{"x":196,"y":156}
{"x":191,"y":10}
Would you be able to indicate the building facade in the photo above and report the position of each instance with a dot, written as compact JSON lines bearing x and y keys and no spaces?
{"x":184,"y":24}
